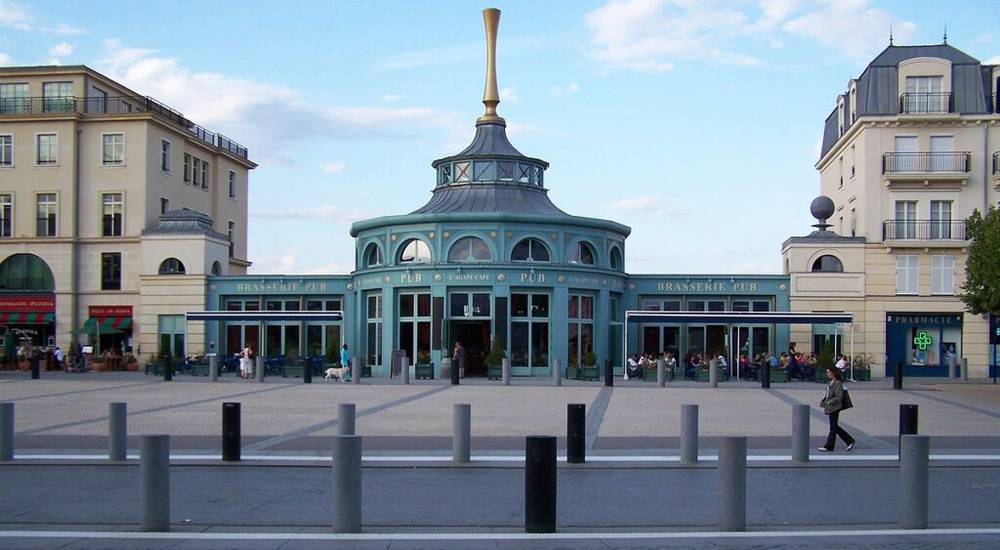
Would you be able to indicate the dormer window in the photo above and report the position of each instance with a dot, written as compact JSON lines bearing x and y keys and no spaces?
{"x":925,"y":94}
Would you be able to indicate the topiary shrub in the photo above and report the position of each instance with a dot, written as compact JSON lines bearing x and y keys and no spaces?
{"x":496,"y":355}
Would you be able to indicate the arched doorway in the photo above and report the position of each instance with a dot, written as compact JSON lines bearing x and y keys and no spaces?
{"x":27,"y":303}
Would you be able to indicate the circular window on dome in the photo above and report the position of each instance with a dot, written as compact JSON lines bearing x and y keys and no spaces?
{"x":530,"y":250}
{"x":469,"y":250}
{"x":827,"y":264}
{"x":582,"y":253}
{"x":373,"y":255}
{"x":414,"y":251}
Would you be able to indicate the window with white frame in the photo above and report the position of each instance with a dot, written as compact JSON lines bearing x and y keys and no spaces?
{"x":7,"y":150}
{"x":924,"y":95}
{"x":906,"y":274}
{"x":204,"y":174}
{"x":232,"y":184}
{"x":46,"y":208}
{"x":940,"y":219}
{"x":14,"y":98}
{"x":196,"y":171}
{"x":943,"y":275}
{"x":57,"y":97}
{"x":112,"y":207}
{"x":187,"y":168}
{"x":6,"y":214}
{"x":113,"y":149}
{"x":164,"y":155}
{"x":46,"y":149}
{"x":905,"y":224}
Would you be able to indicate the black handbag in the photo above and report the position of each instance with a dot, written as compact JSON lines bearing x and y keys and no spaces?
{"x":846,"y":403}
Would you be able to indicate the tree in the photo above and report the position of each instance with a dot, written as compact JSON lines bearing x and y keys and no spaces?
{"x":981,"y":290}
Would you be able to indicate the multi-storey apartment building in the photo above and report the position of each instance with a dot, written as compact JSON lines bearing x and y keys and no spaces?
{"x":909,"y":152}
{"x":114,"y":209}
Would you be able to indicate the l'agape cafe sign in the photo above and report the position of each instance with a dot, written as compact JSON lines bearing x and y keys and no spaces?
{"x":27,"y":303}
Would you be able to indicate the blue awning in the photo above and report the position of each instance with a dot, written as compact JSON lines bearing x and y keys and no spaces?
{"x":739,"y":317}
{"x":264,"y":316}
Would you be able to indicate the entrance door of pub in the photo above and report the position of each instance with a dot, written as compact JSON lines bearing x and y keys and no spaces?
{"x":475,"y":338}
{"x":749,"y":341}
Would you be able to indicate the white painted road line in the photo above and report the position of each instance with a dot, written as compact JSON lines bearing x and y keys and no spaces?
{"x":516,"y":458}
{"x":214,"y":535}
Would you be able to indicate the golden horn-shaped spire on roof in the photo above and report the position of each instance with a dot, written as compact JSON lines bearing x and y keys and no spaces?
{"x":491,"y":94}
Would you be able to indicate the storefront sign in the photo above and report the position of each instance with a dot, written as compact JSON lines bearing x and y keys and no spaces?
{"x":278,"y":287}
{"x":110,"y":311}
{"x":925,"y":319}
{"x":31,"y":303}
{"x":469,"y":277}
{"x":719,"y":287}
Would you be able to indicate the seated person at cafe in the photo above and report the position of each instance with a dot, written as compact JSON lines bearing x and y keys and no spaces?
{"x":632,"y":366}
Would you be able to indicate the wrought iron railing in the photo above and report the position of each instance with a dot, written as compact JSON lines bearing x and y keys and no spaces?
{"x":117,"y":105}
{"x":922,"y":103}
{"x":923,"y":230}
{"x":951,"y":161}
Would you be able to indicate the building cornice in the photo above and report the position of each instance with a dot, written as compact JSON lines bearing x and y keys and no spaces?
{"x":459,"y":217}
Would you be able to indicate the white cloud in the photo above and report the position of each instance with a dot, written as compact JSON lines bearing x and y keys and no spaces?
{"x":556,"y":90}
{"x":388,"y":98}
{"x":5,"y":59}
{"x":292,"y":260}
{"x":995,"y":60}
{"x":15,"y":16}
{"x":649,"y":205}
{"x":265,"y":116}
{"x":851,"y":26}
{"x":334,"y":167}
{"x":61,"y":50}
{"x":326,"y":212}
{"x":509,"y":94}
{"x":62,"y":29}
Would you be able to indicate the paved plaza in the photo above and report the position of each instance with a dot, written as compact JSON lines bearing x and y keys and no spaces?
{"x":61,"y":492}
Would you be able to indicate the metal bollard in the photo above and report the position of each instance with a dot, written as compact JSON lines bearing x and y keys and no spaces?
{"x":347,"y":484}
{"x":540,"y":484}
{"x":908,"y":422}
{"x":461,"y":439}
{"x":689,"y":434}
{"x":897,"y":377}
{"x":355,"y":370}
{"x":952,"y":369}
{"x":963,"y":370}
{"x":307,"y":373}
{"x":155,"y":485}
{"x":713,"y":375}
{"x":505,"y":371}
{"x":914,"y":480}
{"x":765,"y":376}
{"x":609,"y":374}
{"x":6,"y":431}
{"x":731,"y":513}
{"x":258,"y":368}
{"x":576,"y":433}
{"x":404,"y":370}
{"x":213,"y":368}
{"x":346,"y":419}
{"x":661,"y":373}
{"x":445,"y":368}
{"x":168,"y":368}
{"x":456,"y":375}
{"x":117,"y":431}
{"x":557,"y":372}
{"x":35,"y":366}
{"x":231,"y":432}
{"x":800,"y":433}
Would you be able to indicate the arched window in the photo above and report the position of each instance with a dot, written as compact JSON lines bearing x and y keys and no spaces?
{"x":373,"y":255}
{"x":616,"y":258}
{"x":469,"y":249}
{"x":415,"y":251}
{"x":530,"y":250}
{"x":216,"y":268}
{"x":582,"y":253}
{"x":827,"y":264}
{"x":26,"y":272}
{"x":172,"y":266}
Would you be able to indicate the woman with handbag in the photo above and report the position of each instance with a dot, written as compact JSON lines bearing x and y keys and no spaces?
{"x":837,"y":399}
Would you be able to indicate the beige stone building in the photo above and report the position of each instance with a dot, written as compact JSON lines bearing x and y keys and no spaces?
{"x":114,"y":208}
{"x":909,"y":152}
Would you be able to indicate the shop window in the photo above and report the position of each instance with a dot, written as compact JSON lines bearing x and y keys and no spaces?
{"x":581,"y":328}
{"x":373,"y":340}
{"x":529,"y":330}
{"x":26,"y":272}
{"x":172,"y":266}
{"x":415,"y":251}
{"x":827,"y":264}
{"x":415,"y":326}
{"x":530,"y":250}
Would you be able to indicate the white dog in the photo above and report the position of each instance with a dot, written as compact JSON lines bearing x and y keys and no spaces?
{"x":335,"y":373}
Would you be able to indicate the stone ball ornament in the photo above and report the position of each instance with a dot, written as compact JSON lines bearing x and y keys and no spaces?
{"x":821,"y":208}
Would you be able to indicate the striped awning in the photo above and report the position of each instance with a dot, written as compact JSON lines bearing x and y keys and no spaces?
{"x":29,"y":318}
{"x":106,"y":325}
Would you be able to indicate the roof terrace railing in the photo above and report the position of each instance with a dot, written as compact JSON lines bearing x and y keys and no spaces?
{"x":926,"y":103}
{"x":100,"y":105}
{"x":929,"y":162}
{"x":923,"y":230}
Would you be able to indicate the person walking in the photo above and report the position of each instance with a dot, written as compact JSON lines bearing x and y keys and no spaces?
{"x":345,"y":356}
{"x":245,"y":356}
{"x":458,"y":357}
{"x":832,"y":404}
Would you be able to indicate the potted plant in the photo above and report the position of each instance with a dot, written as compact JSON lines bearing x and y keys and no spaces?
{"x":861,"y":369}
{"x":573,"y":370}
{"x":423,"y":369}
{"x":823,"y":360}
{"x":494,"y":361}
{"x":590,"y":369}
{"x":130,"y":361}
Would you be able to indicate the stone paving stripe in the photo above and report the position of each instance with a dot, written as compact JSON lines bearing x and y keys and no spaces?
{"x":860,"y":435}
{"x":517,"y":458}
{"x":954,"y":404}
{"x":831,"y":534}
{"x":77,"y":392}
{"x":595,"y":415}
{"x":278,"y":440}
{"x":132,"y":413}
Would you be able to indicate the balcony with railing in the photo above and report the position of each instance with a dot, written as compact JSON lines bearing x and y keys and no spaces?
{"x":926,"y":103}
{"x":923,"y":232}
{"x":117,"y":105}
{"x":926,"y":167}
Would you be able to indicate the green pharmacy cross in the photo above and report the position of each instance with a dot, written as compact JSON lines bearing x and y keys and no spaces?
{"x":923,"y":340}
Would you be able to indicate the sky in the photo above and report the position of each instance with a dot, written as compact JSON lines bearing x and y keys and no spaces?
{"x":695,"y":122}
